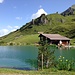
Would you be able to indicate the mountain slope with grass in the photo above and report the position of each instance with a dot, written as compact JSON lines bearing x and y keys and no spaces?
{"x":52,"y":23}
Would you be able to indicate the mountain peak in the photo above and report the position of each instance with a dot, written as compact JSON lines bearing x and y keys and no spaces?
{"x":69,"y":11}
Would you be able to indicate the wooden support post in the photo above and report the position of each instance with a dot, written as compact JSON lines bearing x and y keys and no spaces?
{"x":42,"y":61}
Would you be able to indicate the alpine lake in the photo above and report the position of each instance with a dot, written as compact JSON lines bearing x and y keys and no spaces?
{"x":25,"y":57}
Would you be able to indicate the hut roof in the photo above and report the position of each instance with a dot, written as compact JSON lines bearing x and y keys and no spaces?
{"x":55,"y":37}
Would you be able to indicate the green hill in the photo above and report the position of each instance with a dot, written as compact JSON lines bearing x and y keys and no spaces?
{"x":52,"y":23}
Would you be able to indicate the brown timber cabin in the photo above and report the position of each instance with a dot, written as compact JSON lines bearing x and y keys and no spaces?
{"x":55,"y":39}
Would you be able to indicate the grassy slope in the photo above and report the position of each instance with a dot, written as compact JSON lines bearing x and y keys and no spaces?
{"x":44,"y":72}
{"x":22,"y":39}
{"x":27,"y":39}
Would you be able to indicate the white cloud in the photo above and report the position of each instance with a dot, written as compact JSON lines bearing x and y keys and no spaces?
{"x":18,"y":18}
{"x":16,"y":27}
{"x":1,"y":1}
{"x":12,"y":27}
{"x":3,"y":32}
{"x":9,"y":26}
{"x":13,"y":30}
{"x":38,"y":13}
{"x":8,"y":30}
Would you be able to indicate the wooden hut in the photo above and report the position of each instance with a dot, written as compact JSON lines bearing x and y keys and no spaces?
{"x":55,"y":39}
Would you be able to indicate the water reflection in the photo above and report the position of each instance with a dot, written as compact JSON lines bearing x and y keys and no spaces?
{"x":67,"y":53}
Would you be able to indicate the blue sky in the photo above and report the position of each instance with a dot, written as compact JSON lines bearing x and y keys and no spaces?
{"x":15,"y":13}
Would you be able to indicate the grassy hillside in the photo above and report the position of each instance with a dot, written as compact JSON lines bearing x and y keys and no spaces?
{"x":52,"y":23}
{"x":20,"y":40}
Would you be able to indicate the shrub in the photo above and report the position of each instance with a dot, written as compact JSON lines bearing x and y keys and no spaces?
{"x":11,"y":43}
{"x":27,"y":43}
{"x":64,"y":64}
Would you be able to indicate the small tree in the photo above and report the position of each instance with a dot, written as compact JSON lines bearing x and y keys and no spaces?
{"x":45,"y":55}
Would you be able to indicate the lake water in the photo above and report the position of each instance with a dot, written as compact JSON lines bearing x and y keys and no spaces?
{"x":19,"y":57}
{"x":25,"y":57}
{"x":67,"y":53}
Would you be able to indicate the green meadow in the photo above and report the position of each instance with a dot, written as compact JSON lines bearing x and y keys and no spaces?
{"x":22,"y":40}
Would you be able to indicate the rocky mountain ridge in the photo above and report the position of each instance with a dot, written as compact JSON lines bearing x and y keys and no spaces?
{"x":69,"y":11}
